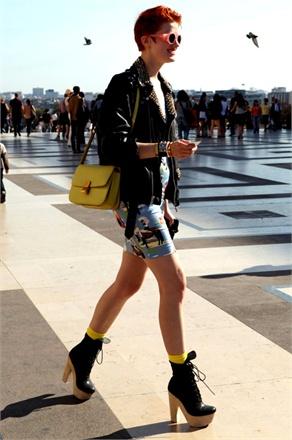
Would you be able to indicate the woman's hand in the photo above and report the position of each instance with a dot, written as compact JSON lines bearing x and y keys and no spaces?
{"x":167,"y":213}
{"x":182,"y":148}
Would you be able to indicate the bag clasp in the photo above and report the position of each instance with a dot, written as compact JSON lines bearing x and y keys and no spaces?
{"x":86,"y":187}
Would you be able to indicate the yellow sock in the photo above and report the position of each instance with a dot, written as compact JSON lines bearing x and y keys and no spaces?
{"x":178,"y":358}
{"x":94,"y":335}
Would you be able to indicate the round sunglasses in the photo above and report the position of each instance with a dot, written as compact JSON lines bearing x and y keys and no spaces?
{"x":170,"y":38}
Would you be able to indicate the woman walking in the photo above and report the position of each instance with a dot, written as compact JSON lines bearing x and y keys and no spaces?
{"x":183,"y":108}
{"x":203,"y":116}
{"x":239,"y":109}
{"x":146,"y":156}
{"x":256,"y":112}
{"x":29,"y":114}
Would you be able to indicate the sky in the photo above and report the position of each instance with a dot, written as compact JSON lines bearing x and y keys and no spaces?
{"x":42,"y":44}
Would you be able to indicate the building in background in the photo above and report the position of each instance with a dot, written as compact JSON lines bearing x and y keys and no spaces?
{"x":38,"y":92}
{"x":51,"y":94}
{"x":281,"y":94}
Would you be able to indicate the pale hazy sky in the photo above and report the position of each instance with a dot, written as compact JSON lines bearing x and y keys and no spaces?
{"x":42,"y":43}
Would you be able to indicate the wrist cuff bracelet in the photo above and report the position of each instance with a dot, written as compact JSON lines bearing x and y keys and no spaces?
{"x":162,"y":148}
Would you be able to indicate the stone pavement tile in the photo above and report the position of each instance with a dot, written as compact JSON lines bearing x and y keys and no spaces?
{"x":245,"y":296}
{"x":7,"y":280}
{"x":54,"y":234}
{"x":234,"y":259}
{"x":100,"y":221}
{"x":35,"y":185}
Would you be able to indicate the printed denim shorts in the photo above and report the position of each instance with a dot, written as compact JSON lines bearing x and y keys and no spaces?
{"x":151,"y":237}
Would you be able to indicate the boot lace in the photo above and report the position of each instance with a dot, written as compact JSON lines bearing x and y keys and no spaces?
{"x":198,"y":376}
{"x":99,"y":357}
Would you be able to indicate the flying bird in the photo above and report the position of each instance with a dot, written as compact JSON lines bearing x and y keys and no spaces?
{"x":87,"y":41}
{"x":254,"y":38}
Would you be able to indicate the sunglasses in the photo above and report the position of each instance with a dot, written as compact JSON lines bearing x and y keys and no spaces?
{"x":171,"y":38}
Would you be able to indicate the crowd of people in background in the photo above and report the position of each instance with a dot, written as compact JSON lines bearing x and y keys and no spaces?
{"x":73,"y":117}
{"x":207,"y":116}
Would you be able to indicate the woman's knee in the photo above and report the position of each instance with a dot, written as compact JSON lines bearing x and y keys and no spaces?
{"x":127,"y":288}
{"x":174,"y":289}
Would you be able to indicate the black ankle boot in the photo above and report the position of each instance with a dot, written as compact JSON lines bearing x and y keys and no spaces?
{"x":184,"y":394}
{"x":80,"y":362}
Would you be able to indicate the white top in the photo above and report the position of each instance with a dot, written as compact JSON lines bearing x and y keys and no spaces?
{"x":160,"y":95}
{"x":2,"y":152}
{"x":2,"y":149}
{"x":224,"y":106}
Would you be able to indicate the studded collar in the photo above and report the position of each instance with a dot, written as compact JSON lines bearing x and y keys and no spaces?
{"x":144,"y":82}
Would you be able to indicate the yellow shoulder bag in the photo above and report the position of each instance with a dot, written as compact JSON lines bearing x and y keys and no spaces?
{"x":98,"y":186}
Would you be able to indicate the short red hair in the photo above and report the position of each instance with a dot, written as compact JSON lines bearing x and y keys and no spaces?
{"x":151,"y":20}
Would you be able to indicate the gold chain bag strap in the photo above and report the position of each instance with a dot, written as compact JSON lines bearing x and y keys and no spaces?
{"x":98,"y":186}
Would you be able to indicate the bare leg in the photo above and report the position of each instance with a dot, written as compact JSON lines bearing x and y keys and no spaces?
{"x":182,"y":387}
{"x":128,"y":281}
{"x":172,"y":285}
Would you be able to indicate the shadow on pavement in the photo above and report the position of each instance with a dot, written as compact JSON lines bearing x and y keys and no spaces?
{"x":27,"y":406}
{"x":149,"y":430}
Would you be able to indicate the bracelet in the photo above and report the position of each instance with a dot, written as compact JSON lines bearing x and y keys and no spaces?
{"x":162,"y":148}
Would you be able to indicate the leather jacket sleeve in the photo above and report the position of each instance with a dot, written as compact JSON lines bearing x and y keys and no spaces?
{"x":116,"y":143}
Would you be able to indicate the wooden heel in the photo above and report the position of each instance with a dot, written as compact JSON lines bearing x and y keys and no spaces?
{"x":67,"y":370}
{"x":173,"y":407}
{"x":194,"y":421}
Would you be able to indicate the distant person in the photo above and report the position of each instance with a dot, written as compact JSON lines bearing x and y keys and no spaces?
{"x":275,"y":113}
{"x":195,"y":112}
{"x":183,"y":107}
{"x":214,"y":112}
{"x":75,"y":110}
{"x":265,"y":107}
{"x":248,"y":120}
{"x":68,"y":94}
{"x":84,"y":118}
{"x":4,"y":164}
{"x":16,"y":114}
{"x":202,"y":114}
{"x":256,"y":112}
{"x":223,"y":117}
{"x":63,"y":122}
{"x":29,"y":114}
{"x":95,"y":109}
{"x":4,"y":116}
{"x":54,"y":122}
{"x":239,"y":109}
{"x":46,"y":121}
{"x":231,"y":115}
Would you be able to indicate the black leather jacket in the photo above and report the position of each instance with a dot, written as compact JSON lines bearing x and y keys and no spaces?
{"x":140,"y":178}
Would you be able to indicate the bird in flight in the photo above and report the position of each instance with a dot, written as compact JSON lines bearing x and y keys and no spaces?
{"x":254,"y":38}
{"x":87,"y":41}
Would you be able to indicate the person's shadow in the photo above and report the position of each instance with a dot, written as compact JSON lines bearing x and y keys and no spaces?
{"x":23,"y":408}
{"x":147,"y":430}
{"x":27,"y":406}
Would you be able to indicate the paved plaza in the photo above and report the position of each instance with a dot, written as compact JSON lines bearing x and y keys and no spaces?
{"x":56,"y":259}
